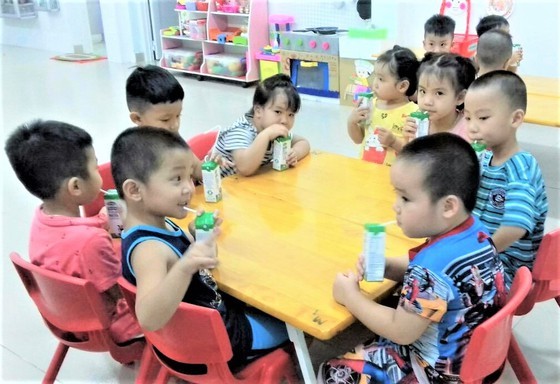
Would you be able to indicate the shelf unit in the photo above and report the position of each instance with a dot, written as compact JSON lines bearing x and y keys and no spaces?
{"x":17,"y":9}
{"x":257,"y":37}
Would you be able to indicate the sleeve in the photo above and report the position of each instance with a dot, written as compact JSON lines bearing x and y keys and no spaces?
{"x":102,"y":266}
{"x":520,"y":204}
{"x":424,"y":293}
{"x":237,"y":137}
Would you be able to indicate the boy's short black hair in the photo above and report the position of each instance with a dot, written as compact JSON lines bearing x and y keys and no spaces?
{"x":450,"y":164}
{"x":494,"y":48}
{"x":439,"y":25}
{"x":137,"y":153}
{"x":267,"y":90}
{"x":403,"y":64}
{"x":151,"y":85}
{"x":490,"y":22}
{"x":44,"y":154}
{"x":510,"y":85}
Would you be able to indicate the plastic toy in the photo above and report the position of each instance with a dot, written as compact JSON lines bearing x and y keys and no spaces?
{"x":181,"y":4}
{"x":278,"y":20}
{"x":171,"y":31}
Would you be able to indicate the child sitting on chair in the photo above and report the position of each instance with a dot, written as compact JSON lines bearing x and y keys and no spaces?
{"x":56,"y":162}
{"x":451,"y":283}
{"x":152,"y":169}
{"x":248,"y":142}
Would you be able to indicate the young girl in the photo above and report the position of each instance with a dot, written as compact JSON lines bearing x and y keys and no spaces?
{"x":443,"y":80}
{"x":248,"y":142}
{"x":394,"y":80}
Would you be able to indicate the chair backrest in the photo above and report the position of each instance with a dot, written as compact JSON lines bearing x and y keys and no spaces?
{"x":93,"y":208}
{"x":202,"y":143}
{"x":68,"y":303}
{"x":194,"y":335}
{"x":488,"y":348}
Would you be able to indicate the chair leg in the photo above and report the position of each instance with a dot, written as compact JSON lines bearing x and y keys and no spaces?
{"x":163,"y":376}
{"x":557,"y":298}
{"x":519,"y":364}
{"x":149,"y":367}
{"x":56,"y":363}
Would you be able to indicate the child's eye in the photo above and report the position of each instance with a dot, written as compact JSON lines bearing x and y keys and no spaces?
{"x":292,"y":114}
{"x":439,"y":93}
{"x":483,"y":118}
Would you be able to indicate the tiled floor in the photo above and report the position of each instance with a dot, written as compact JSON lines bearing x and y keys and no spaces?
{"x":92,"y":96}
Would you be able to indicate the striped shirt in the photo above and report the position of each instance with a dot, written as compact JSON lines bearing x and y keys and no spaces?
{"x":240,"y":135}
{"x":513,"y":194}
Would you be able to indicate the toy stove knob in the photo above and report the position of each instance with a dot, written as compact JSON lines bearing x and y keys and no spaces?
{"x":299,"y":42}
{"x":313,"y":44}
{"x":325,"y":46}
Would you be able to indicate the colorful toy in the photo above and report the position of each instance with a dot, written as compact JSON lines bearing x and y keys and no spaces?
{"x":181,"y":4}
{"x":278,"y":20}
{"x":171,"y":31}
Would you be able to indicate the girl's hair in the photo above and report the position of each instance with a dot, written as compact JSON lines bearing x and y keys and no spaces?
{"x":459,"y":70}
{"x":268,"y":89}
{"x":403,"y":65}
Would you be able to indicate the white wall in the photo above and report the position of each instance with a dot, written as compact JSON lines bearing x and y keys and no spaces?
{"x":53,"y":31}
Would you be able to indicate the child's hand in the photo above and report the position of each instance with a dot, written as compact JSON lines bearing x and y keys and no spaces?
{"x":360,"y":267}
{"x":409,"y":128}
{"x":222,"y":162}
{"x":291,"y":160}
{"x":516,"y":57}
{"x":276,"y":130}
{"x":200,"y":255}
{"x":345,"y":286}
{"x":358,"y":115}
{"x":386,"y":137}
{"x":192,"y":230}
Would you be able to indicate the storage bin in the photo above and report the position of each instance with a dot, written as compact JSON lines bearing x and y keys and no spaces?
{"x":197,"y":29}
{"x":226,"y":64}
{"x":201,"y":6}
{"x":182,"y":58}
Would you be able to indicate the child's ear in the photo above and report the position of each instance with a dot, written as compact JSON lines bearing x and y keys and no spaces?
{"x":73,"y":186}
{"x":451,"y":206}
{"x":135,"y":118}
{"x":403,"y":85}
{"x":461,"y":97}
{"x":517,"y":117}
{"x":131,"y":190}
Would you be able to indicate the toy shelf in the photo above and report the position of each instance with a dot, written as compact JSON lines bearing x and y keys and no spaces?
{"x":227,"y":42}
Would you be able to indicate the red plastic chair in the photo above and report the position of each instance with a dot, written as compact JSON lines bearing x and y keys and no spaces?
{"x":487,"y":350}
{"x":202,"y":143}
{"x":93,"y":208}
{"x":72,"y":306}
{"x":197,"y":335}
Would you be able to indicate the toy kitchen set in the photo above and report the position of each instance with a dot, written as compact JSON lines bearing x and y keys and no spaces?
{"x":311,"y":57}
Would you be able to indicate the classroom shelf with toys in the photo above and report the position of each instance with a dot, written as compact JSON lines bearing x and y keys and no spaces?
{"x":218,"y":38}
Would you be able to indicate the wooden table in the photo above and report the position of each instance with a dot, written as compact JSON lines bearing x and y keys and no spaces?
{"x":286,"y":234}
{"x":543,"y":100}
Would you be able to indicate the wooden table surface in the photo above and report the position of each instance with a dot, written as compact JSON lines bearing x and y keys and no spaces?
{"x":544,"y":86}
{"x":286,"y":234}
{"x":543,"y":100}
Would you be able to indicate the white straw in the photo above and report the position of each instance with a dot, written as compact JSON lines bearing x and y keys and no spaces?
{"x":388,"y":223}
{"x":104,"y":191}
{"x":189,"y":209}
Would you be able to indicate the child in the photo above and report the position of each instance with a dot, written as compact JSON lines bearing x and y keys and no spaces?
{"x":394,"y":80}
{"x":248,"y":142}
{"x":443,"y":80}
{"x":155,"y":98}
{"x":56,"y":162}
{"x":493,"y":51}
{"x":439,"y":31}
{"x":451,"y":283}
{"x":152,"y":169}
{"x":512,"y":200}
{"x":491,"y":22}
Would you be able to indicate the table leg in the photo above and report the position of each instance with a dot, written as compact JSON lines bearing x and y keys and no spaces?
{"x":297,"y":337}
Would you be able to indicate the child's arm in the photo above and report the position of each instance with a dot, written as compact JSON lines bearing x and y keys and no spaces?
{"x":505,"y":236}
{"x":353,"y":125}
{"x":248,"y":160}
{"x":397,"y":325}
{"x":300,"y":149}
{"x":162,"y":280}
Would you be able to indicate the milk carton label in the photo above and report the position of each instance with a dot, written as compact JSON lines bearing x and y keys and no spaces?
{"x":422,"y":120}
{"x":212,"y":181}
{"x":115,"y":212}
{"x":374,"y":252}
{"x":281,"y":148}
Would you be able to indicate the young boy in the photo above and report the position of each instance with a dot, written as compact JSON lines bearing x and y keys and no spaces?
{"x":152,"y":169}
{"x":493,"y":51}
{"x":155,"y":98}
{"x":56,"y":162}
{"x":491,"y":22}
{"x":451,"y":283}
{"x":438,"y":34}
{"x":512,"y":200}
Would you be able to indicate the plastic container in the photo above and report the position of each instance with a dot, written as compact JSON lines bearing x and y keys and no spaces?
{"x":201,"y":6}
{"x":115,"y":212}
{"x":197,"y":29}
{"x":422,"y":120}
{"x":181,"y":58}
{"x":212,"y":181}
{"x":281,"y":148}
{"x":479,"y":149}
{"x":230,"y":8}
{"x":516,"y":48}
{"x":226,"y":64}
{"x":374,"y":252}
{"x":204,"y":225}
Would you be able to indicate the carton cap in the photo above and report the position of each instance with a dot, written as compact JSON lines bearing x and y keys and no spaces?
{"x":374,"y":228}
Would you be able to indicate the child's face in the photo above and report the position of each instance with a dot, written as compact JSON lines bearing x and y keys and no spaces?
{"x":170,"y":188}
{"x":437,"y":44}
{"x":275,"y":111}
{"x":93,"y":184}
{"x":437,"y":96}
{"x":384,"y":83}
{"x":490,"y":119}
{"x":417,"y":215}
{"x":162,"y":115}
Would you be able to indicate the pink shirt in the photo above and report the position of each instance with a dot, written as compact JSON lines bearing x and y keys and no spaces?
{"x":81,"y":247}
{"x":460,"y":129}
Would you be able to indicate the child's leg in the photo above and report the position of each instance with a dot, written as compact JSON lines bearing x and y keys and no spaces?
{"x":268,"y":332}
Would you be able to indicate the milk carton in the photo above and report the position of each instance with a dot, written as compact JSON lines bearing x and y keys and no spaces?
{"x":212,"y":181}
{"x":204,"y":225}
{"x":422,"y":120}
{"x":374,"y":252}
{"x":281,"y":148}
{"x":116,"y":209}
